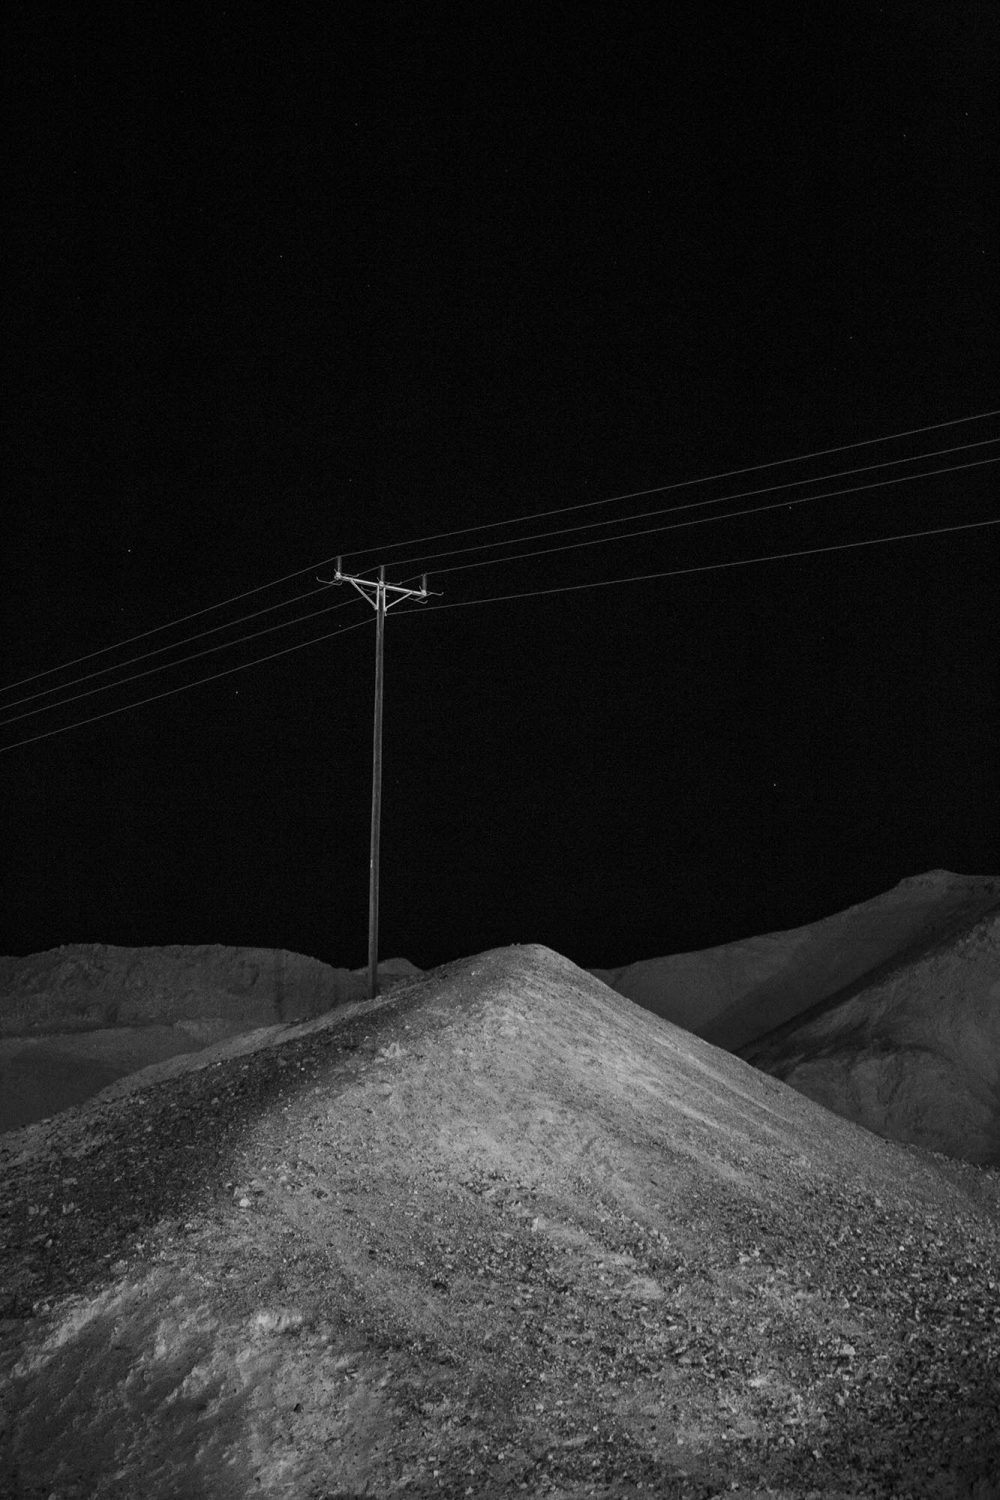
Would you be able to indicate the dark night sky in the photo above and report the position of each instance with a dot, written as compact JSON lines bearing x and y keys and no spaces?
{"x":287,"y":284}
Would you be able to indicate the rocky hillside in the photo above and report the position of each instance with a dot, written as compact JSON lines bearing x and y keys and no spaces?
{"x":90,"y":986}
{"x":499,"y":1232}
{"x":913,"y":1055}
{"x":731,"y":994}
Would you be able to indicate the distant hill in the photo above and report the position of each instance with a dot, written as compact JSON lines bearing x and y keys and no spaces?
{"x":734,"y":993}
{"x":913,"y":1054}
{"x":75,"y":1019}
{"x":88,"y":986}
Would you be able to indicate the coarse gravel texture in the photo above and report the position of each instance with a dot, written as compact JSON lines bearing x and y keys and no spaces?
{"x":497,"y":1232}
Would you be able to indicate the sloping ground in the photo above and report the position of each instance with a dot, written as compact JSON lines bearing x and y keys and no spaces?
{"x":914,"y":1056}
{"x":499,"y":1231}
{"x":91,"y":986}
{"x":74,"y":1019}
{"x":731,"y":994}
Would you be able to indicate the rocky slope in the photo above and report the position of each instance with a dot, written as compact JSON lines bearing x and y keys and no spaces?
{"x":731,"y":994}
{"x":913,"y":1055}
{"x":87,"y":986}
{"x":500,"y":1231}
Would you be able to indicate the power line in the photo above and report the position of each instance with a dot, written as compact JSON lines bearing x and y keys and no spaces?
{"x":157,"y":629}
{"x":706,"y":520}
{"x":484,"y":563}
{"x":742,"y":562}
{"x":701,"y":504}
{"x":166,"y":665}
{"x":243,"y":667}
{"x":661,"y":489}
{"x":483,"y":546}
{"x":493,"y":525}
{"x":174,"y":646}
{"x":676,"y":525}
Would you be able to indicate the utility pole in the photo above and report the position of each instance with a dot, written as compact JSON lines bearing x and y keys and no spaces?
{"x":375,"y":591}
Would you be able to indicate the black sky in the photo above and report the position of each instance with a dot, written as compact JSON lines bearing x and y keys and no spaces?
{"x":291,"y":285}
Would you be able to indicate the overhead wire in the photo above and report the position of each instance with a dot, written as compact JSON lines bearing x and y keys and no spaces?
{"x":699,"y":521}
{"x":184,"y":686}
{"x":174,"y":646}
{"x":406,"y":612}
{"x":679,"y":484}
{"x":741,"y":562}
{"x":494,"y":525}
{"x":165,"y":666}
{"x":785,"y":504}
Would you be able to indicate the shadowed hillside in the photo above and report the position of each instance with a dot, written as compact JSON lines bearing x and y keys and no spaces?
{"x":887,"y":1013}
{"x":731,"y":994}
{"x":914,"y":1055}
{"x":498,"y":1231}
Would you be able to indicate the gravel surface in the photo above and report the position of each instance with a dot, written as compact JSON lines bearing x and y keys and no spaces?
{"x":498,"y":1232}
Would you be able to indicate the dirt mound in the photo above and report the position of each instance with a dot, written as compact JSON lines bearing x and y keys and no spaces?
{"x":88,"y":986}
{"x":499,"y":1231}
{"x":734,"y":993}
{"x":914,"y":1055}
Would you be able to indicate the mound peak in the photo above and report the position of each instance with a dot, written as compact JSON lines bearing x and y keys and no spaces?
{"x":501,"y":1230}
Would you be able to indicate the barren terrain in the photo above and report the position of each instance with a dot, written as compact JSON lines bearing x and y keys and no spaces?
{"x":74,"y":1019}
{"x":914,"y":1053}
{"x":887,"y":1013}
{"x":499,"y":1231}
{"x":733,"y":994}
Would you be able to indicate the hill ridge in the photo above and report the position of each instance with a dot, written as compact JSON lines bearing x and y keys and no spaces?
{"x":736,"y":991}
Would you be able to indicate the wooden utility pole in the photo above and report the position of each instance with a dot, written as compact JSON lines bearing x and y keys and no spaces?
{"x":376,"y":789}
{"x":375,"y":590}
